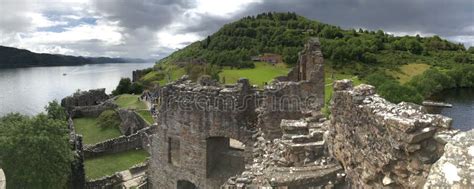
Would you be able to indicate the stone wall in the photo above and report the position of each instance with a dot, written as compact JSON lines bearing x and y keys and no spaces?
{"x":84,"y":98}
{"x":139,"y":140}
{"x":78,"y":175}
{"x":91,"y":111}
{"x":119,"y":179}
{"x":109,"y":182}
{"x":380,"y":144}
{"x":131,"y":122}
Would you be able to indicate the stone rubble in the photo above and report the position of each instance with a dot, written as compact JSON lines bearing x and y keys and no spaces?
{"x":298,"y":159}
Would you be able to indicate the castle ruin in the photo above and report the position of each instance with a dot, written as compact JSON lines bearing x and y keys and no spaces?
{"x":239,"y":136}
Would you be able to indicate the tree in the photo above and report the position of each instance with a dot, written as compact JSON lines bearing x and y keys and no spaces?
{"x":108,"y":119}
{"x":396,"y":93}
{"x":35,"y":151}
{"x":123,"y":87}
{"x":55,"y":111}
{"x":414,"y":46}
{"x":136,"y":88}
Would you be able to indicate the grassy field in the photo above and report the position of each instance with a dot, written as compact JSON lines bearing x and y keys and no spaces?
{"x":263,"y":72}
{"x":109,"y":164}
{"x":146,"y":115}
{"x":407,"y":72}
{"x":130,"y":102}
{"x":92,"y":133}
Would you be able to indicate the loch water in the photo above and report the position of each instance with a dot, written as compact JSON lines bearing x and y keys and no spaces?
{"x":462,"y":111}
{"x":28,"y":90}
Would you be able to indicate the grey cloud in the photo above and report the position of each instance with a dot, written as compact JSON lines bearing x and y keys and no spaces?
{"x":141,"y":19}
{"x":153,"y":14}
{"x":445,"y":18}
{"x":13,"y":20}
{"x":204,"y":24}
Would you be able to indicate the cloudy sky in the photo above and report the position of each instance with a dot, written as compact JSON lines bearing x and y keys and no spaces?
{"x":155,"y":28}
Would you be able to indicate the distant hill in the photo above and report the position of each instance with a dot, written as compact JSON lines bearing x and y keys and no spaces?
{"x":12,"y":57}
{"x":403,"y":68}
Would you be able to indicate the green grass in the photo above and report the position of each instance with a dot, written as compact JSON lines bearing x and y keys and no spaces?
{"x":152,"y":78}
{"x":146,"y":115}
{"x":130,"y":102}
{"x":407,"y":72}
{"x":330,"y":77}
{"x":92,"y":133}
{"x":109,"y":164}
{"x":263,"y":72}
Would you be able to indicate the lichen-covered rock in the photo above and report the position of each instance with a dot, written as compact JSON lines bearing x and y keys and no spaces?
{"x":455,"y":169}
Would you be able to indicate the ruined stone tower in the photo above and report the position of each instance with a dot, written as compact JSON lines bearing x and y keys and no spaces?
{"x":297,"y":95}
{"x":203,"y":135}
{"x":206,"y":132}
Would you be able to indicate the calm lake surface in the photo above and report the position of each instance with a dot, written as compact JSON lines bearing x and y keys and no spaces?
{"x":462,"y":112}
{"x":28,"y":90}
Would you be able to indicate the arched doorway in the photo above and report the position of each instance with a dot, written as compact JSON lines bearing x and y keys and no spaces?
{"x":225,"y":157}
{"x":184,"y":184}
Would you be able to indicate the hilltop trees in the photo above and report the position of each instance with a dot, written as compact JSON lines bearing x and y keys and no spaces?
{"x":35,"y":151}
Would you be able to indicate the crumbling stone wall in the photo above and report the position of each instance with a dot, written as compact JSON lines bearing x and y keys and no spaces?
{"x":84,"y":98}
{"x":78,"y":175}
{"x":131,"y":122}
{"x":139,"y":140}
{"x":296,"y":95}
{"x":118,"y":179}
{"x":91,"y":111}
{"x":380,"y":144}
{"x":189,"y":115}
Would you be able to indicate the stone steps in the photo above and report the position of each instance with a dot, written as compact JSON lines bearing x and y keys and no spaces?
{"x":294,"y":127}
{"x":303,"y":140}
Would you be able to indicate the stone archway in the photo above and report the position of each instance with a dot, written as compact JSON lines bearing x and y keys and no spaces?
{"x":184,"y":184}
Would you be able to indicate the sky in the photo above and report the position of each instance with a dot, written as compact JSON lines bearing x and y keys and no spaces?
{"x":156,"y":28}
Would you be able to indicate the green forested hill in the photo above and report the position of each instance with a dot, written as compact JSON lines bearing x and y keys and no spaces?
{"x":388,"y":62}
